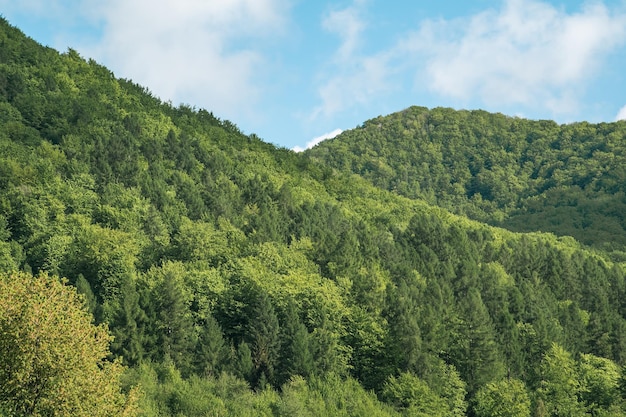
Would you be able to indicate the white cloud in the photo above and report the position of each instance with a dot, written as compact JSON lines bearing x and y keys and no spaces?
{"x":193,"y":50}
{"x":528,"y":53}
{"x":353,"y":84}
{"x":352,"y":78}
{"x":317,"y":140}
{"x":621,"y":114}
{"x":346,"y":23}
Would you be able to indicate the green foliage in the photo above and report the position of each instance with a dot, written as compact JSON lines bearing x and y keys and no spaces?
{"x":212,"y":353}
{"x":171,"y":320}
{"x":296,"y":356}
{"x":520,"y":174}
{"x":446,"y":382}
{"x":506,"y":398}
{"x":599,"y":383}
{"x":476,"y":354}
{"x":53,"y":359}
{"x":413,"y":396}
{"x":264,"y":336}
{"x":560,"y":385}
{"x":237,"y":278}
{"x":7,"y":262}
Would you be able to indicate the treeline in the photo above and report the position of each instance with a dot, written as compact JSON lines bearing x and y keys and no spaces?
{"x":241,"y":279}
{"x":520,"y":174}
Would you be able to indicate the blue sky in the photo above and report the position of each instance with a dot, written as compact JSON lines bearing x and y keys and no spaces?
{"x":295,"y":71}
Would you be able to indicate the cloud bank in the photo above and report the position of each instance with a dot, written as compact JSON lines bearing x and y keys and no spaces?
{"x":200,"y":52}
{"x":527,"y":53}
{"x":352,"y":78}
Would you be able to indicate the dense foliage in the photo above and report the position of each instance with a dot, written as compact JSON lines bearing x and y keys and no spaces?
{"x":242,"y":279}
{"x":53,"y":360}
{"x":520,"y":174}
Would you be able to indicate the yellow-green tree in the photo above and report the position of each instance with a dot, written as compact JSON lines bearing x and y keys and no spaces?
{"x":505,"y":398}
{"x":52,"y":358}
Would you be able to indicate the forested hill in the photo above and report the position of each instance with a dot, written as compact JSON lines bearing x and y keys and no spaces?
{"x":241,"y":279}
{"x":520,"y":174}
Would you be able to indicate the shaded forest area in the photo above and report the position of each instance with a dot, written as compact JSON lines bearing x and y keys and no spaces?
{"x":243,"y":279}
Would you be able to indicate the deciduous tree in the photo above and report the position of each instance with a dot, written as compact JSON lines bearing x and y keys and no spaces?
{"x":52,"y":358}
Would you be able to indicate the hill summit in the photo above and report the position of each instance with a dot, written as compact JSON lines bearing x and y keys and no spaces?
{"x":520,"y":174}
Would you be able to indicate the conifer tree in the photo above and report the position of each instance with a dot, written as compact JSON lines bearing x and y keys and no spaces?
{"x":172,"y":321}
{"x":264,"y":334}
{"x":128,"y":325}
{"x":83,"y":287}
{"x":295,"y":353}
{"x":211,"y":349}
{"x":475,"y":353}
{"x":244,"y":367}
{"x":404,"y":345}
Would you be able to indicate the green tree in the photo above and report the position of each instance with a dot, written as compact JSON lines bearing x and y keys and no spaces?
{"x":506,"y":398}
{"x":83,"y":287}
{"x":264,"y":333}
{"x":211,"y":348}
{"x":329,"y":355}
{"x":296,"y":357}
{"x":53,"y":359}
{"x":475,"y":353}
{"x":446,"y":382}
{"x":7,"y":263}
{"x":560,"y":384}
{"x":413,"y":396}
{"x":404,"y":345}
{"x":128,"y":325}
{"x":244,"y":367}
{"x":599,"y":378}
{"x":172,"y":324}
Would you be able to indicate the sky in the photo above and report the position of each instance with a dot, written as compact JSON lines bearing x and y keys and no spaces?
{"x":295,"y":72}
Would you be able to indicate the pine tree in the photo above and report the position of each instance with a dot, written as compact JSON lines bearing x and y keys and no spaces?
{"x":172,"y":321}
{"x":244,"y":367}
{"x":126,"y":325}
{"x":264,"y":333}
{"x":211,"y":349}
{"x":329,"y":356}
{"x":475,"y":353}
{"x":404,"y":343}
{"x":83,"y":287}
{"x":295,"y":354}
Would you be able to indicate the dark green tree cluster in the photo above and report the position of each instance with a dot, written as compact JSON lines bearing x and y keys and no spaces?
{"x":242,"y":279}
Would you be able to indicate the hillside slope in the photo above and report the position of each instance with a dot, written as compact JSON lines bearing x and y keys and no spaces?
{"x":242,"y":279}
{"x":520,"y":174}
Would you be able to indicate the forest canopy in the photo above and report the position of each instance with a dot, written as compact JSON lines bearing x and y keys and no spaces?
{"x":243,"y":279}
{"x":520,"y":174}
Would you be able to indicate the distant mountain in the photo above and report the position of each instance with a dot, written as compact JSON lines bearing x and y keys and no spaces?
{"x":237,"y":278}
{"x":520,"y":174}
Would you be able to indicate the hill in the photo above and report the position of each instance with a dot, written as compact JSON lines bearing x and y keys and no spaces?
{"x":519,"y":174}
{"x":242,"y":279}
